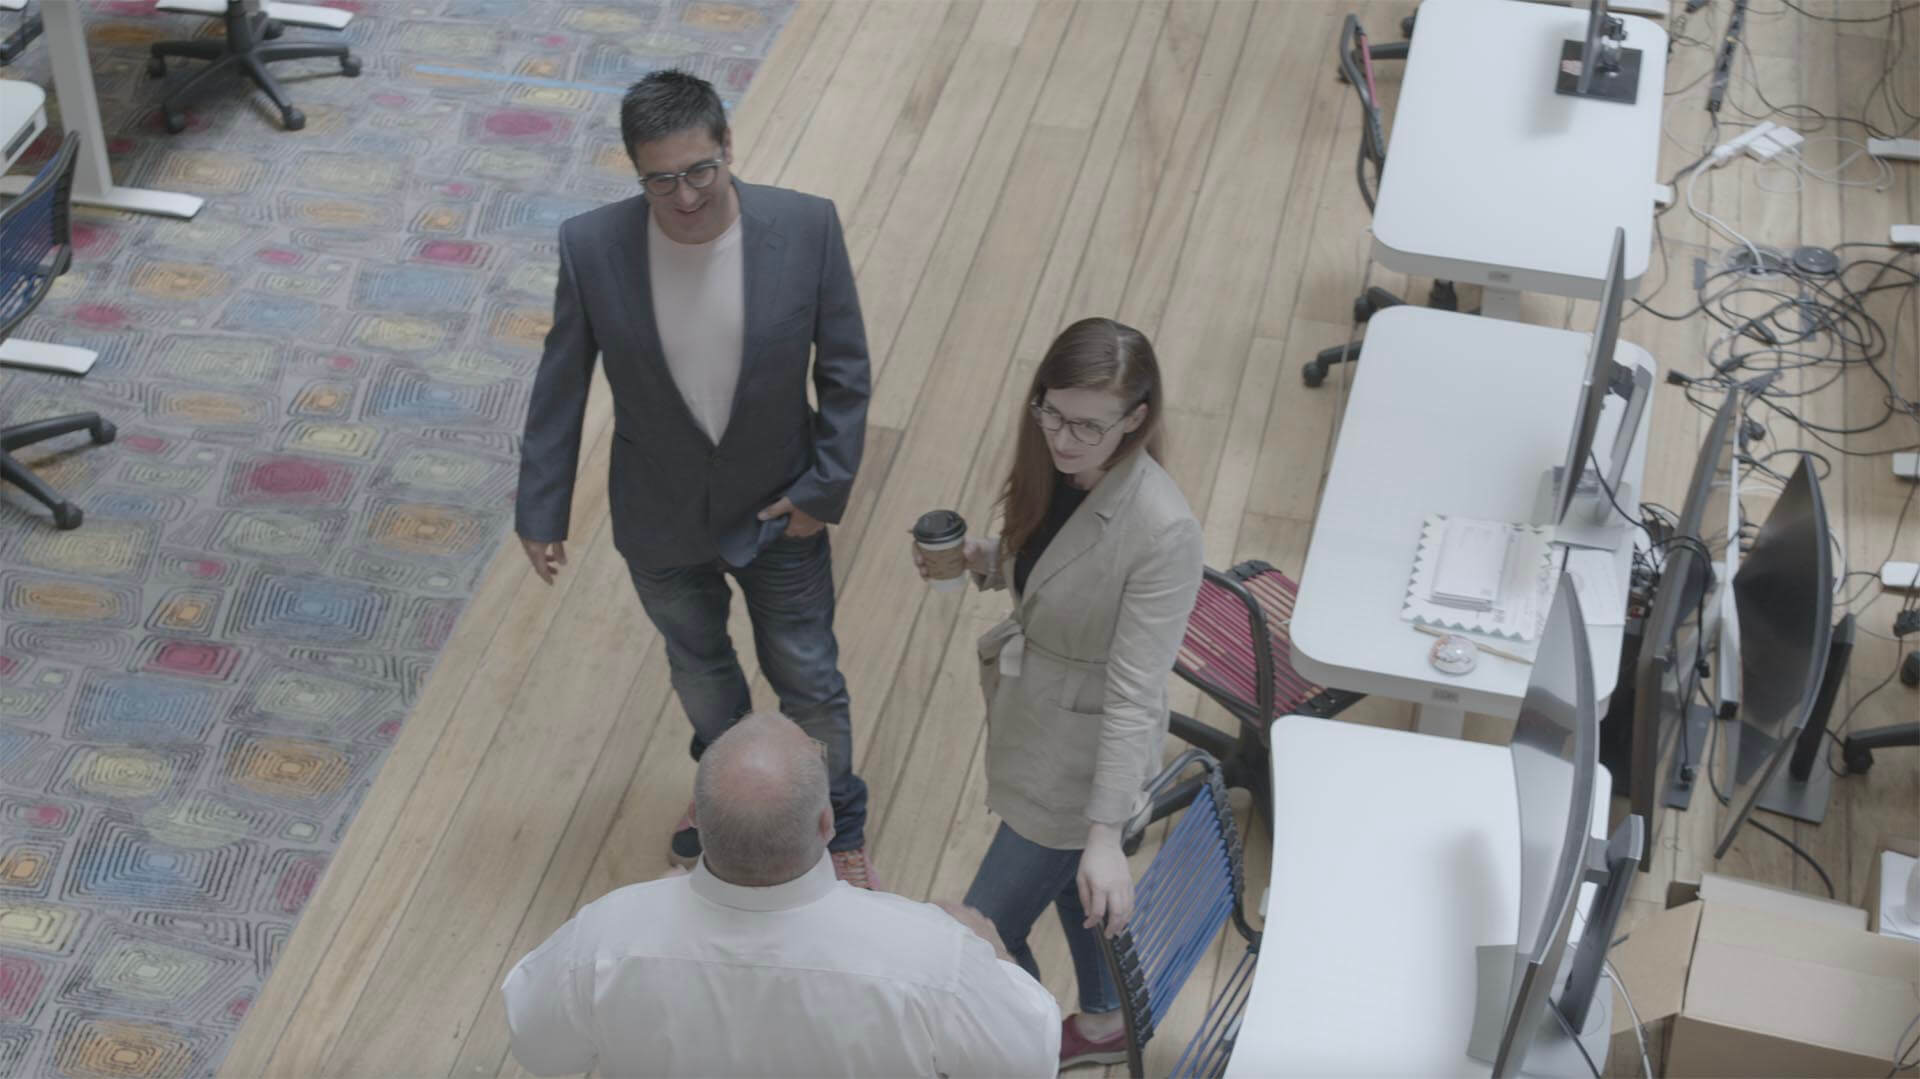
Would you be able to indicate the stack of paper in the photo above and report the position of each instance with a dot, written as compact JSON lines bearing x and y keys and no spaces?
{"x":1518,"y":606}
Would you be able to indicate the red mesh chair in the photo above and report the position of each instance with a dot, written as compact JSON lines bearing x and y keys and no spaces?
{"x":1238,"y":652}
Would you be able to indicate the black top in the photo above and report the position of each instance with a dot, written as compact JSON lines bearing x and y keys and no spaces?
{"x":1066,"y":499}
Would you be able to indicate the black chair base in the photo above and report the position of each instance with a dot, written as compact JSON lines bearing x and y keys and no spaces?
{"x":243,"y":52}
{"x":1442,"y":297}
{"x":66,"y":515}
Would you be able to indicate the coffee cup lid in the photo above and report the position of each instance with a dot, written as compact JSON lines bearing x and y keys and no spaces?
{"x":938,"y":525}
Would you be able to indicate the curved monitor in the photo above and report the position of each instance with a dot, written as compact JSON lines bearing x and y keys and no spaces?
{"x":1595,"y":384}
{"x":1556,"y":746}
{"x":1783,"y":593}
{"x":1665,"y":674}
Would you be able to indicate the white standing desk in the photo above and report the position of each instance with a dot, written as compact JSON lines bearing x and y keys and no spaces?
{"x":1493,"y":178}
{"x":1395,"y":855}
{"x":66,"y":40}
{"x":1455,"y":414}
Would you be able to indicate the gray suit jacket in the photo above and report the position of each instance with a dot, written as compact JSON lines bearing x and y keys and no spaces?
{"x":1076,"y":677}
{"x":676,"y":498}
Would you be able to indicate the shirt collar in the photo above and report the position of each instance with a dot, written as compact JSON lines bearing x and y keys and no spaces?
{"x":798,"y":892}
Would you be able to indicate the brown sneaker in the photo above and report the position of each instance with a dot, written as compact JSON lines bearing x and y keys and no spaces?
{"x":684,"y":849}
{"x":857,"y":868}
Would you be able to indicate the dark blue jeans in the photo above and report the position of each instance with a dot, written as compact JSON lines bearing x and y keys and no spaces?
{"x":1015,"y":882}
{"x":789,"y":593}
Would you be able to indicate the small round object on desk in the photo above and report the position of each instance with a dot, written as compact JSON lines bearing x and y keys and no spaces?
{"x":1454,"y":654}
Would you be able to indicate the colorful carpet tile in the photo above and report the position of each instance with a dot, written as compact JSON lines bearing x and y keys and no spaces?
{"x":319,"y":384}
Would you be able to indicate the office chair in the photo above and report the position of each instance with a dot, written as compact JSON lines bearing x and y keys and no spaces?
{"x":1238,"y":651}
{"x":1193,"y":886}
{"x":34,"y":249}
{"x":1356,"y":69}
{"x":1856,"y":753}
{"x":245,"y":50}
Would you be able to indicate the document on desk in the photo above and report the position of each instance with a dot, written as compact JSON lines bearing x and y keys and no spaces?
{"x":1603,"y":596}
{"x":1526,"y":585}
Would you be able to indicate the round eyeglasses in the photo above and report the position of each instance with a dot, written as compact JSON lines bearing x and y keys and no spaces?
{"x":1085,"y":432}
{"x":697,"y":176}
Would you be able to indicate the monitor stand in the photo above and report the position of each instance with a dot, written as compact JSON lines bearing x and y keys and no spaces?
{"x":1694,"y":729}
{"x":1800,"y":790}
{"x":1621,"y":85}
{"x":1591,"y":520}
{"x":1552,"y":1055}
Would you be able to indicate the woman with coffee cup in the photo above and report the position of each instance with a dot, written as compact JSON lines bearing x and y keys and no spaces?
{"x":1104,"y":559}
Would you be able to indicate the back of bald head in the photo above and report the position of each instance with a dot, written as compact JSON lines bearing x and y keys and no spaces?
{"x":758,"y":798}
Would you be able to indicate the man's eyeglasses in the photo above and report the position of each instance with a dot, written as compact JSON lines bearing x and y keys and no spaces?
{"x":697,"y":177}
{"x":1085,"y":432}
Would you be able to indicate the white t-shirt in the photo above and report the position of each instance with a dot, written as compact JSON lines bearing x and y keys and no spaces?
{"x":692,"y":976}
{"x":699,"y":304}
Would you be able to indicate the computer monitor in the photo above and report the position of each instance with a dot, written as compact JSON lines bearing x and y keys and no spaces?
{"x":1596,"y":65}
{"x":1579,"y":504}
{"x":1783,"y":592}
{"x":1555,"y":753}
{"x":1668,"y":727}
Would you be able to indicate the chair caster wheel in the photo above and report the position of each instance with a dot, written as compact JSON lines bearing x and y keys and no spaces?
{"x":349,"y":66}
{"x":67,"y":516}
{"x":1313,"y":373}
{"x":293,"y":119}
{"x":156,"y":67}
{"x":176,"y":122}
{"x":272,"y":29}
{"x":104,"y":432}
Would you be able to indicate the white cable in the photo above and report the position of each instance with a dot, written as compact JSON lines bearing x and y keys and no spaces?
{"x":1639,"y":1032}
{"x":1726,"y":229}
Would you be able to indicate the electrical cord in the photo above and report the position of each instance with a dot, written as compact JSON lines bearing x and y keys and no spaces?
{"x":1574,"y":1038}
{"x":1639,"y":1028}
{"x":1901,"y":1050}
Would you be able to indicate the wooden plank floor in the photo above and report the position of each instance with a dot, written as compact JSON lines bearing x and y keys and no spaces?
{"x":1004,"y":167}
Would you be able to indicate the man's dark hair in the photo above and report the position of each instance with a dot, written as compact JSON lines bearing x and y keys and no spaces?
{"x":666,"y":103}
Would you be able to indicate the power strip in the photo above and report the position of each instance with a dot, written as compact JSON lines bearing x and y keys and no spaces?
{"x":1902,"y":576}
{"x":1895,"y":149}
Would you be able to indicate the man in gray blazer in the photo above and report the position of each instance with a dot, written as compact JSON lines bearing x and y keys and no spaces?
{"x":705,"y":295}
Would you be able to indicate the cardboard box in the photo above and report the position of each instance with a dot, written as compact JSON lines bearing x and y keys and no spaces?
{"x":1871,"y":900}
{"x":1738,"y":979}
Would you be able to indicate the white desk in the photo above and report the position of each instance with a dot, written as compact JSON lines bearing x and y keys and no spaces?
{"x":1395,"y":855}
{"x":1493,"y":179}
{"x":66,"y":41}
{"x":1449,"y":414}
{"x":23,"y":116}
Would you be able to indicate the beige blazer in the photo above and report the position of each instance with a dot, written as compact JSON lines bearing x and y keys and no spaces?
{"x":1076,"y":678}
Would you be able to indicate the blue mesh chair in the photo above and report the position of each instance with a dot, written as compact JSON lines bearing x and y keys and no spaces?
{"x":1191,"y":889}
{"x":34,"y":249}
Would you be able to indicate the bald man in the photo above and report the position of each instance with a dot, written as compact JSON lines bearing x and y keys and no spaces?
{"x":761,"y":963}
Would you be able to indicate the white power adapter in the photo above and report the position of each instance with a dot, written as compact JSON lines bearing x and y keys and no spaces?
{"x":1901,"y":576}
{"x":1772,"y":141}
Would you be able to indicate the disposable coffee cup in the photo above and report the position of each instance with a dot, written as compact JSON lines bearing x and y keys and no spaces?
{"x":941,"y":536}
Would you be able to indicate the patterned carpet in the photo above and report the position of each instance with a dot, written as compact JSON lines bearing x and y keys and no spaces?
{"x":319,"y":385}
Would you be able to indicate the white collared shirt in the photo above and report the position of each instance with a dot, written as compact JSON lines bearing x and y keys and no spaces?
{"x":692,"y":976}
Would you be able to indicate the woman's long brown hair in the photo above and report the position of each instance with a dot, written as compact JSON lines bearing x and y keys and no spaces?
{"x":1095,"y":354}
